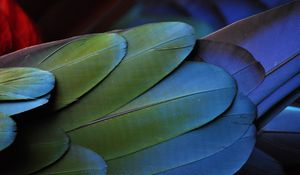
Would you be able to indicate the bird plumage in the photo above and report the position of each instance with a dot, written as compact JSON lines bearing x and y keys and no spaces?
{"x":149,"y":99}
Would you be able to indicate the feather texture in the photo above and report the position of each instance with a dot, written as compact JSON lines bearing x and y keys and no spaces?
{"x":236,"y":155}
{"x":24,"y":83}
{"x":34,"y":148}
{"x":286,"y":121}
{"x":17,"y":107}
{"x":85,"y":61}
{"x":7,"y":131}
{"x":260,"y":34}
{"x":277,"y":108}
{"x":77,"y":161}
{"x":277,"y":96}
{"x":266,"y":29}
{"x":161,"y":114}
{"x":144,"y":65}
{"x":235,"y":60}
{"x":194,"y":147}
{"x":32,"y":56}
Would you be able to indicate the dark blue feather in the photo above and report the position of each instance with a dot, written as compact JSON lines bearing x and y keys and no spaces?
{"x":227,"y":161}
{"x":235,"y":60}
{"x":197,"y":146}
{"x":272,"y":37}
{"x":277,"y":108}
{"x":273,"y":3}
{"x":233,"y":10}
{"x":204,"y":11}
{"x":283,"y":91}
{"x":286,"y":121}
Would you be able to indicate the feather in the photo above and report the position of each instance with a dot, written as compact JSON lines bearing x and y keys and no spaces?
{"x":280,"y":138}
{"x":35,"y":147}
{"x":148,"y":60}
{"x":277,"y":108}
{"x":32,"y":56}
{"x":204,"y":11}
{"x":91,"y":58}
{"x":24,"y":83}
{"x":236,"y":155}
{"x":151,"y":11}
{"x":195,"y":146}
{"x":85,"y":62}
{"x":7,"y":131}
{"x":274,"y":81}
{"x":273,"y":3}
{"x":77,"y":161}
{"x":233,"y":10}
{"x":201,"y":28}
{"x":22,"y":89}
{"x":260,"y":34}
{"x":286,"y":121}
{"x":235,"y":60}
{"x":283,"y":91}
{"x":16,"y":107}
{"x":275,"y":28}
{"x":161,"y":114}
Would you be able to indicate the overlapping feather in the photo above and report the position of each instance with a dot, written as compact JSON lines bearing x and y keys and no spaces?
{"x":129,"y":97}
{"x":161,"y":114}
{"x":7,"y":131}
{"x":191,"y":152}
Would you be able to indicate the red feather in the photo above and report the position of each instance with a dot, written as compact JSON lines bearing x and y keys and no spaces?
{"x":16,"y":29}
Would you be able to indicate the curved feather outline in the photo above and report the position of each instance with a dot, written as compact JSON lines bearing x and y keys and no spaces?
{"x":17,"y":107}
{"x":287,"y":120}
{"x":284,"y":90}
{"x":23,"y":89}
{"x":32,"y":56}
{"x":34,"y":148}
{"x":236,"y":156}
{"x":277,"y":108}
{"x":261,"y":29}
{"x":161,"y":114}
{"x":144,"y":65}
{"x":78,"y":160}
{"x":193,"y":146}
{"x":86,"y":61}
{"x":282,"y":63}
{"x":24,"y":83}
{"x":7,"y":131}
{"x":236,"y":60}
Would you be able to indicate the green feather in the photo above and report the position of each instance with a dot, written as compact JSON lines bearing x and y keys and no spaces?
{"x":194,"y":147}
{"x":24,"y":83}
{"x":77,"y":161}
{"x":7,"y":131}
{"x":200,"y":92}
{"x":34,"y":148}
{"x":154,"y":51}
{"x":84,"y":61}
{"x":33,"y":55}
{"x":80,"y":65}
